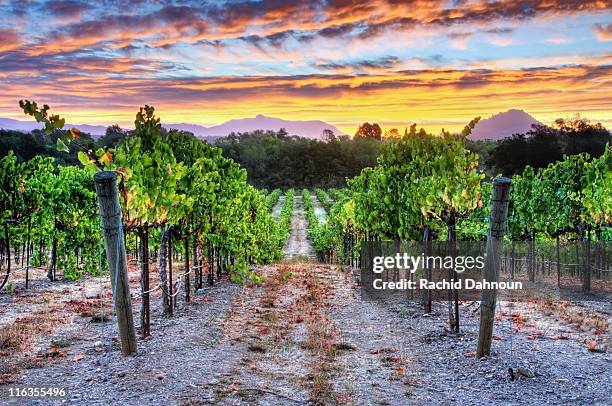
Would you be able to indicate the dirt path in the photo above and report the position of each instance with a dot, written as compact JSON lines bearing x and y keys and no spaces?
{"x":312,"y":339}
{"x":276,"y":210}
{"x":298,"y":245}
{"x":319,"y":210}
{"x":305,"y":336}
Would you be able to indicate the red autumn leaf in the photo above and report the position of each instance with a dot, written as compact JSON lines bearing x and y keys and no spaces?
{"x":75,"y":133}
{"x":375,"y":351}
{"x":592,"y":345}
{"x":400,"y":371}
{"x":54,"y":352}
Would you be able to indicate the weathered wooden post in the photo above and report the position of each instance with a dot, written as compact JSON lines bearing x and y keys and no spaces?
{"x":495,"y":240}
{"x":110,"y":213}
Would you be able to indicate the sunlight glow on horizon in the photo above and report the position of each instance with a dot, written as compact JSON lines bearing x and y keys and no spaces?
{"x":345,"y":63}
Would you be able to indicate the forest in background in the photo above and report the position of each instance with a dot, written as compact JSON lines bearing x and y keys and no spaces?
{"x":276,"y":159}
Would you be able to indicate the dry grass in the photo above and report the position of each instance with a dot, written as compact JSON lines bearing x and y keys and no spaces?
{"x":12,"y":337}
{"x":584,"y":325}
{"x":17,"y":338}
{"x":20,"y":334}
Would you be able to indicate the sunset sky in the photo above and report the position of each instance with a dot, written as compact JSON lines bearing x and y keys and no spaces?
{"x":437,"y":63}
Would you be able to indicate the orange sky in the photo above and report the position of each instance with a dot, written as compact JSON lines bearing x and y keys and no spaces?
{"x":436,"y":63}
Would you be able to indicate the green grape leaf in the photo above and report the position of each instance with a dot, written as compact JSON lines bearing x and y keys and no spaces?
{"x":61,"y":146}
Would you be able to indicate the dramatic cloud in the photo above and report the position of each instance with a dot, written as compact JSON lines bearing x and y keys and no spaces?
{"x":341,"y":60}
{"x":9,"y":40}
{"x":424,"y":96}
{"x":604,"y":32}
{"x":383,"y":63}
{"x":67,"y":8}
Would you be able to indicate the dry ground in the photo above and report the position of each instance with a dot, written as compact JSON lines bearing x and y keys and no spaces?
{"x":303,"y":337}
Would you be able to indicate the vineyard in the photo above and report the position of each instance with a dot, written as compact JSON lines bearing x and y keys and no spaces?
{"x":251,"y":296}
{"x":429,"y":188}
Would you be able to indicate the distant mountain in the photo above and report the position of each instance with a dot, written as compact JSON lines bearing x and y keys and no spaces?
{"x":196,"y":129}
{"x":16,"y":125}
{"x":502,"y":125}
{"x":27,"y":126}
{"x":308,"y":129}
{"x":96,"y":131}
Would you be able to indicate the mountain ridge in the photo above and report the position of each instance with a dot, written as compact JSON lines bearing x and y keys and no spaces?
{"x":304,"y":128}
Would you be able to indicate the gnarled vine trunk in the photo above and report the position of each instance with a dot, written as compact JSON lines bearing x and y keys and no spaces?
{"x":453,"y":294}
{"x":145,"y":313}
{"x":163,"y":257}
{"x":427,"y":292}
{"x":187,"y":269}
{"x":53,"y":262}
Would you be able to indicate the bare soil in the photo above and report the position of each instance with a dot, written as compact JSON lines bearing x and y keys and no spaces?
{"x":319,"y":210}
{"x":276,"y":210}
{"x":305,"y":336}
{"x":298,"y":246}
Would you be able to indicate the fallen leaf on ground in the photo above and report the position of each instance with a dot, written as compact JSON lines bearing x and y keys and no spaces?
{"x":592,"y":346}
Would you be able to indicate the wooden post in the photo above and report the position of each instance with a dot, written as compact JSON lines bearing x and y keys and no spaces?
{"x":497,"y":223}
{"x":110,"y":213}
